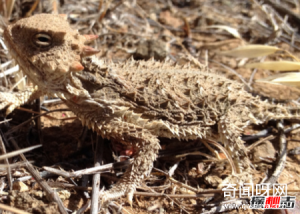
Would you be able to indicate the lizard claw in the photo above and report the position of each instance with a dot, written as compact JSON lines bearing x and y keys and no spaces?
{"x":102,"y":198}
{"x":12,"y":100}
{"x":106,"y":196}
{"x":130,"y":197}
{"x":9,"y":101}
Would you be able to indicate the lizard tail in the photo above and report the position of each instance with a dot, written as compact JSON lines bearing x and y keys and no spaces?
{"x":263,"y":111}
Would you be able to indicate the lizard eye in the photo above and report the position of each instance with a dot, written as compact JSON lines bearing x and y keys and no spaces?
{"x":42,"y":40}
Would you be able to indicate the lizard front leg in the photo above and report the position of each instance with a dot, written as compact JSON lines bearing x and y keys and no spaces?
{"x":147,"y":146}
{"x":12,"y":100}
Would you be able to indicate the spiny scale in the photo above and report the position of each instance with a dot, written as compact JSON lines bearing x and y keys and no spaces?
{"x":133,"y":102}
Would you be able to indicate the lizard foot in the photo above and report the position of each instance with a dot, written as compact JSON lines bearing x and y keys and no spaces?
{"x":117,"y":192}
{"x":12,"y":100}
{"x":145,"y":155}
{"x":9,"y":101}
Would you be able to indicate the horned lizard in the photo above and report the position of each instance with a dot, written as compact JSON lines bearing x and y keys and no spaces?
{"x":133,"y":102}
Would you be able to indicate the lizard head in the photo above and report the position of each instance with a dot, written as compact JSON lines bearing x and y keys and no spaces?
{"x":47,"y":49}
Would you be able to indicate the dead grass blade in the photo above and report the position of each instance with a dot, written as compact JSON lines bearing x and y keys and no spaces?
{"x":251,"y":51}
{"x":230,"y":30}
{"x":33,"y":7}
{"x":14,"y":165}
{"x":9,"y":5}
{"x":289,"y":79}
{"x":12,"y":154}
{"x":12,"y":209}
{"x":275,"y":66}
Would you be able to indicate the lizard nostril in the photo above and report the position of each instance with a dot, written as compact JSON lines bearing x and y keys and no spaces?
{"x":42,"y":40}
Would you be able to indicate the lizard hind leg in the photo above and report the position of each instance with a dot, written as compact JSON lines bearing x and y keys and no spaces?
{"x":230,"y":128}
{"x":146,"y":147}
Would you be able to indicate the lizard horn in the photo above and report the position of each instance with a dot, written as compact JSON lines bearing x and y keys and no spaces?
{"x":90,"y":38}
{"x":76,"y":66}
{"x":89,"y":51}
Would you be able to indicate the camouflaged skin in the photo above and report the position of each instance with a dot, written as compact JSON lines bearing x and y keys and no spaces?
{"x":134,"y":102}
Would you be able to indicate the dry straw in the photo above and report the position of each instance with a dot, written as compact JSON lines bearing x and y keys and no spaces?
{"x":252,"y":51}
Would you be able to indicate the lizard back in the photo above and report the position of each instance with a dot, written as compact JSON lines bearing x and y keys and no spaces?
{"x":183,"y":100}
